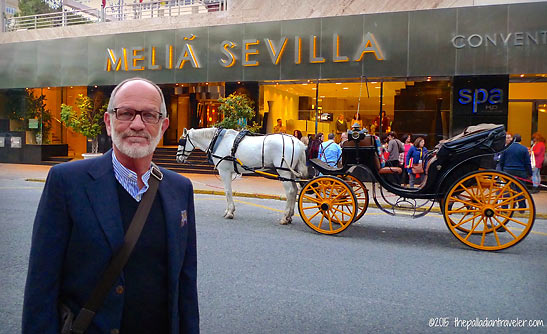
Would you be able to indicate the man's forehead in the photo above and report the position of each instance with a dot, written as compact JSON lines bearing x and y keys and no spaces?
{"x":138,"y":87}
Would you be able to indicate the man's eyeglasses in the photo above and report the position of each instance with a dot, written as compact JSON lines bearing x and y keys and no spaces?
{"x":128,"y":114}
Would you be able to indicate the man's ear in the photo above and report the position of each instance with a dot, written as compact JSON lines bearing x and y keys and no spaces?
{"x":164,"y":124}
{"x":107,"y":122}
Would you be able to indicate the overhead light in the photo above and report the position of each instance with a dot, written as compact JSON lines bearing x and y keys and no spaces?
{"x":522,"y":75}
{"x":374,"y":82}
{"x":338,"y":83}
{"x":95,"y":86}
{"x":304,"y":84}
{"x":345,"y":88}
{"x":314,"y":88}
{"x":542,"y":110}
{"x":322,"y":96}
{"x":239,"y":82}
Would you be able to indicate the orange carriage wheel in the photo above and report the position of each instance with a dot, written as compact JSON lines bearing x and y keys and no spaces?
{"x":361,"y":194}
{"x":327,"y":204}
{"x":489,"y":210}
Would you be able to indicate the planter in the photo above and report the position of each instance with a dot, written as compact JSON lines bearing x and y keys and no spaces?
{"x":91,"y":155}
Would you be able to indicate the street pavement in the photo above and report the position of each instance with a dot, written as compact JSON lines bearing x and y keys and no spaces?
{"x":382,"y":275}
{"x":244,"y":186}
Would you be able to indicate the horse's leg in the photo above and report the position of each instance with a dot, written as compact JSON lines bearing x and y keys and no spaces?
{"x":290,"y":193}
{"x":226,"y":176}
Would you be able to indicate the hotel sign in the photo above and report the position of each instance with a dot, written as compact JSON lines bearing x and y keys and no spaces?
{"x":140,"y":58}
{"x":443,"y":42}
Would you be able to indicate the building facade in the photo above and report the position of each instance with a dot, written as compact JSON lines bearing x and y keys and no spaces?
{"x":433,"y":71}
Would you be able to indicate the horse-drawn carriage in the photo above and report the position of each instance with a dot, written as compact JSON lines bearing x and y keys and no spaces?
{"x":485,"y":209}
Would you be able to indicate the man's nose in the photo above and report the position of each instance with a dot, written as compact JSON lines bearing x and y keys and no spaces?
{"x":138,"y":123}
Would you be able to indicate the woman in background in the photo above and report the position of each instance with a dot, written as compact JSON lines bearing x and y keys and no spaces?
{"x":407,"y":140}
{"x":416,"y":156}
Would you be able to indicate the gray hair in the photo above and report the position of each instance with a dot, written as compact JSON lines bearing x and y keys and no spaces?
{"x":111,"y":103}
{"x":330,"y":136}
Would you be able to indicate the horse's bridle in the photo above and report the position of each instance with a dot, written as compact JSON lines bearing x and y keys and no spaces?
{"x":182,"y":142}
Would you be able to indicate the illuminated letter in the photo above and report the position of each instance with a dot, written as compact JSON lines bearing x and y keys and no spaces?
{"x":336,"y":50}
{"x":250,"y":51}
{"x":313,"y":51}
{"x":188,"y":54}
{"x":457,"y":37}
{"x":476,"y":100}
{"x":369,"y":45}
{"x":231,"y":57}
{"x":496,"y":96}
{"x":152,"y":59}
{"x":113,"y":61}
{"x":465,"y":96}
{"x":169,"y":56}
{"x":276,"y":52}
{"x":297,"y":50}
{"x":134,"y":57}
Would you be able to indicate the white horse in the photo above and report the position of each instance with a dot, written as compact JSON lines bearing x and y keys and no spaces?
{"x":284,"y":152}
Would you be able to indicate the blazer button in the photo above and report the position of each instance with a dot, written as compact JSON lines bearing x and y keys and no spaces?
{"x":115,"y":331}
{"x":119,"y":290}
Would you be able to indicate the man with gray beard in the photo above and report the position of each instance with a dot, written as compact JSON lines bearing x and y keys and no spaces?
{"x":84,"y":214}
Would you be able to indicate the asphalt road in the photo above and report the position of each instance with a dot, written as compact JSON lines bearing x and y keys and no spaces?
{"x":382,"y":275}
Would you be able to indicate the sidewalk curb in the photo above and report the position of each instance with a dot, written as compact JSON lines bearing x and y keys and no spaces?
{"x":276,"y":197}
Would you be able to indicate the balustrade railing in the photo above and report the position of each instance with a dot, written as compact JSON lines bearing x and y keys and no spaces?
{"x":121,"y":12}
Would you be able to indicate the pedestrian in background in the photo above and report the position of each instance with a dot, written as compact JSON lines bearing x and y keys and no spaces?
{"x":297,"y":134}
{"x":515,"y":160}
{"x":341,"y":127}
{"x":416,"y":162}
{"x":395,"y":149}
{"x":84,"y":213}
{"x":538,"y":151}
{"x":497,"y":156}
{"x":279,"y":128}
{"x":330,"y":152}
{"x":314,"y":146}
{"x":408,"y":144}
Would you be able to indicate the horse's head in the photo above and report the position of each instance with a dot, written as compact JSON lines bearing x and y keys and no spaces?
{"x":185,"y":147}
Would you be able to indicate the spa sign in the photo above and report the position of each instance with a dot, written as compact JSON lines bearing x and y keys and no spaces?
{"x":233,"y":53}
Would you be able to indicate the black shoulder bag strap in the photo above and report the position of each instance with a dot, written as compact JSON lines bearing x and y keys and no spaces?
{"x":112,"y":272}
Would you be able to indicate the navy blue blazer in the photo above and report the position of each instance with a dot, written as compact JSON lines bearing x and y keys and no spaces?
{"x":78,"y":228}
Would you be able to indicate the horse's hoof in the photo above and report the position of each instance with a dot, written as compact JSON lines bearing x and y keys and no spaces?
{"x":285,"y":221}
{"x":229,"y":216}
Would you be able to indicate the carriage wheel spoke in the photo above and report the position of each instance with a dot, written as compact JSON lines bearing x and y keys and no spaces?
{"x":341,"y":211}
{"x":472,"y":229}
{"x":312,"y":207}
{"x":466,"y":210}
{"x":338,"y":220}
{"x":483,"y":231}
{"x":519,"y":210}
{"x":313,"y":216}
{"x":467,"y":220}
{"x":505,"y":226}
{"x":312,"y":199}
{"x":500,"y":192}
{"x":509,"y":199}
{"x":510,"y":218}
{"x":495,"y":232}
{"x":320,"y":221}
{"x":470,"y":192}
{"x":455,"y":199}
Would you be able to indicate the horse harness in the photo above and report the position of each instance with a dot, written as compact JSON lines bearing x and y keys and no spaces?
{"x":217,"y":137}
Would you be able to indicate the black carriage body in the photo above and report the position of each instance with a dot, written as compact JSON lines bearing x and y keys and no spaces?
{"x":450,"y":160}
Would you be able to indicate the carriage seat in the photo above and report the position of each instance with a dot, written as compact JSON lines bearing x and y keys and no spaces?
{"x":325,"y":168}
{"x":390,"y":170}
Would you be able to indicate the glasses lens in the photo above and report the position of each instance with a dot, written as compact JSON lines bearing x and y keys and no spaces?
{"x":124,"y":114}
{"x":150,"y":117}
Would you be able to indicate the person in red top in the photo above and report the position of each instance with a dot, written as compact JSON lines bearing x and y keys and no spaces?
{"x":538,"y":149}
